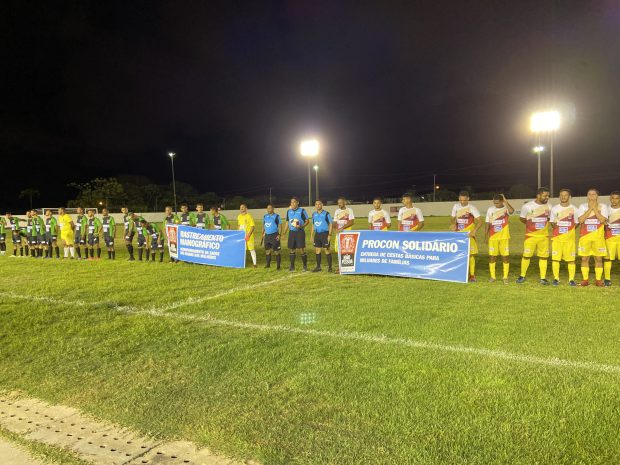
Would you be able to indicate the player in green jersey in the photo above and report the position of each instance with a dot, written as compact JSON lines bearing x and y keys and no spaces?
{"x":218,"y":220}
{"x":129,"y":230}
{"x":80,"y":233}
{"x":185,"y":217}
{"x":170,"y":218}
{"x":200,"y":217}
{"x":51,"y":235}
{"x":12,"y":224}
{"x":37,"y":235}
{"x":140,"y":235}
{"x":93,"y":231}
{"x":108,"y":226}
{"x":155,"y":239}
{"x":2,"y":235}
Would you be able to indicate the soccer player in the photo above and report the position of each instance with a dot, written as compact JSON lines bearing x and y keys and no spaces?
{"x":245,"y":222}
{"x":170,"y":218}
{"x":67,"y":227}
{"x":296,"y":221}
{"x":80,"y":233}
{"x":129,"y":230}
{"x":272,"y":230}
{"x":156,"y":239}
{"x":592,"y":218}
{"x":37,"y":234}
{"x":497,"y":233}
{"x":219,"y":221}
{"x":535,"y":215}
{"x":2,"y":235}
{"x":200,"y":217}
{"x":186,"y":218}
{"x":27,"y":233}
{"x":564,"y":220}
{"x":12,"y":224}
{"x":378,"y":218}
{"x":320,"y":235}
{"x":343,"y":219}
{"x":108,"y":225}
{"x":410,"y":218}
{"x":140,"y":235}
{"x":612,"y":235}
{"x":93,"y":231}
{"x":465,"y":218}
{"x":51,"y":234}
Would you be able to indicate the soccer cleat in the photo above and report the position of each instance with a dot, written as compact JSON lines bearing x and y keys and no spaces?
{"x":267,"y":267}
{"x":472,"y":279}
{"x":329,"y":270}
{"x":599,"y":283}
{"x":607,"y":283}
{"x":491,"y":280}
{"x":254,"y":266}
{"x":131,"y":259}
{"x":291,"y":269}
{"x":505,"y":280}
{"x":544,"y":282}
{"x":13,"y":256}
{"x":316,"y":270}
{"x":584,"y":283}
{"x":556,"y":282}
{"x":305,"y":269}
{"x":520,"y":279}
{"x":572,"y":283}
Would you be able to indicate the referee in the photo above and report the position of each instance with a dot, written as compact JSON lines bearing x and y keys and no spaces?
{"x":296,"y":221}
{"x":272,"y":229}
{"x":321,"y":232}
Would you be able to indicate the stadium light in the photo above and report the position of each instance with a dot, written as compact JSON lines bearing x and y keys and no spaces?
{"x":316,"y":178}
{"x":308,"y":149}
{"x":547,"y":122}
{"x":538,"y":150}
{"x":174,"y":187}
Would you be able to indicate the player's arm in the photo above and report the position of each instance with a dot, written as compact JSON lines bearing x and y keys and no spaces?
{"x":508,"y":206}
{"x":192,"y":219}
{"x":312,"y":233}
{"x":98,"y":226}
{"x":523,"y":216}
{"x":280,"y":227}
{"x":477,"y":225}
{"x":249,"y":233}
{"x":112,"y":227}
{"x":599,"y":216}
{"x":224,"y":222}
{"x":421,"y":219}
{"x":487,"y":228}
{"x":585,"y":215}
{"x":331,"y":225}
{"x":307,"y":220}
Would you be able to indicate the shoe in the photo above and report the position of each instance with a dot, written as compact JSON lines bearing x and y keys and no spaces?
{"x":472,"y":279}
{"x":544,"y":282}
{"x":291,"y":269}
{"x":607,"y":283}
{"x":305,"y":269}
{"x":254,"y":266}
{"x":599,"y":283}
{"x":267,"y":267}
{"x":131,"y":259}
{"x":316,"y":270}
{"x":556,"y":282}
{"x":584,"y":283}
{"x":520,"y":279}
{"x":277,"y":268}
{"x":505,"y":280}
{"x":491,"y":280}
{"x":329,"y":270}
{"x":13,"y":256}
{"x":572,"y":283}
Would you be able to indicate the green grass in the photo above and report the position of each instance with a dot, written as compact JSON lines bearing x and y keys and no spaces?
{"x":43,"y":452}
{"x":317,"y":398}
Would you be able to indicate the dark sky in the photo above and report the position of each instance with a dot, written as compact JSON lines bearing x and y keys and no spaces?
{"x":395,"y":92}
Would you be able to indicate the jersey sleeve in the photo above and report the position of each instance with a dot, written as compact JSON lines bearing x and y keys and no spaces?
{"x":304,"y":215}
{"x":328,"y":218}
{"x":524,"y":211}
{"x":421,"y":216}
{"x":251,"y":222}
{"x":581,"y":210}
{"x":475,"y":212}
{"x":400,"y":215}
{"x":224,"y":221}
{"x":388,"y":220}
{"x":453,"y":213}
{"x":488,"y":216}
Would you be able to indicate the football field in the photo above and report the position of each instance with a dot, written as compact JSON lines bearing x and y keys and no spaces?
{"x":317,"y":368}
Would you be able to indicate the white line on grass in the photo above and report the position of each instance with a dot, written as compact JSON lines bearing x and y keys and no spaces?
{"x":342,"y":335}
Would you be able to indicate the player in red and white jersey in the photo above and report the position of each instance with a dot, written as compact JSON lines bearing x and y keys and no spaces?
{"x":497,"y":232}
{"x":410,"y":218}
{"x":592,"y":219}
{"x":612,"y":235}
{"x":343,"y":219}
{"x":563,"y":220}
{"x":378,"y":218}
{"x":535,"y":216}
{"x":465,"y":218}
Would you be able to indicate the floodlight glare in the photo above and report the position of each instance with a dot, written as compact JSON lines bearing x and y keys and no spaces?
{"x":309,"y":148}
{"x":545,"y":121}
{"x":538,"y":149}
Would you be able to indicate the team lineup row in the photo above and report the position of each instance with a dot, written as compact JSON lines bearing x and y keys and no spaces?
{"x":598,"y":224}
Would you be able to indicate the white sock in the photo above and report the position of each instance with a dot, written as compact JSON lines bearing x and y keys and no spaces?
{"x":66,"y":251}
{"x":253,"y":254}
{"x":72,"y":250}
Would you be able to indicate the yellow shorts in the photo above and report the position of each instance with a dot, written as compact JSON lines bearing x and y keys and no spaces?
{"x":539,"y":245}
{"x":473,"y":246}
{"x":68,"y":238}
{"x":563,"y":250}
{"x":613,"y":248}
{"x":594,"y":247}
{"x":499,"y":247}
{"x":249,"y":244}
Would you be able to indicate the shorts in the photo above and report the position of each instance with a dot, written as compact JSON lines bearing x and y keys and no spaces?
{"x":249,"y":244}
{"x":499,"y":247}
{"x":2,"y":237}
{"x":156,"y":243}
{"x":129,"y":237}
{"x":321,"y":240}
{"x":141,"y":241}
{"x":297,"y":239}
{"x":78,"y":238}
{"x":271,"y":243}
{"x":592,"y":247}
{"x":68,"y":237}
{"x":473,"y":246}
{"x":32,"y":240}
{"x":563,"y":250}
{"x":17,"y":238}
{"x":108,"y":240}
{"x":93,"y":240}
{"x":613,"y":249}
{"x":50,"y":238}
{"x":538,"y":245}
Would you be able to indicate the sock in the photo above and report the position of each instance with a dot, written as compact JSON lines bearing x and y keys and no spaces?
{"x":492,"y":270}
{"x":72,"y":252}
{"x":26,"y":248}
{"x":585,"y":272}
{"x":555,"y":266}
{"x":329,"y":261}
{"x":98,"y":252}
{"x":39,"y":252}
{"x":304,"y":260}
{"x":130,"y":250}
{"x":278,"y":260}
{"x":109,"y":255}
{"x":572,"y":270}
{"x":161,"y":256}
{"x":525,"y":264}
{"x":506,"y":268}
{"x":253,"y":255}
{"x":607,"y":267}
{"x":318,"y":260}
{"x":79,"y":251}
{"x":114,"y":255}
{"x":542,"y":266}
{"x":598,"y":273}
{"x":268,"y":260}
{"x":153,"y":256}
{"x":47,"y":252}
{"x":57,"y":250}
{"x":140,"y":253}
{"x":66,"y":252}
{"x":472,"y":266}
{"x":92,"y":253}
{"x":32,"y":252}
{"x":21,"y":252}
{"x":292,"y":257}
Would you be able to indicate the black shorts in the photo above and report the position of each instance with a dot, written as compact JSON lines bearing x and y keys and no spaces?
{"x":93,"y":240}
{"x":271,"y":242}
{"x":17,"y":238}
{"x":321,"y":240}
{"x":39,"y":239}
{"x":50,"y":238}
{"x":141,"y":241}
{"x":108,"y":240}
{"x":78,"y":238}
{"x":297,"y":239}
{"x":2,"y":237}
{"x":129,"y":236}
{"x":156,"y":243}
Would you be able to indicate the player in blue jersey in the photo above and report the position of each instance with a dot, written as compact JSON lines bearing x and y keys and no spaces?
{"x":272,"y":230}
{"x":321,"y":232}
{"x":296,"y":221}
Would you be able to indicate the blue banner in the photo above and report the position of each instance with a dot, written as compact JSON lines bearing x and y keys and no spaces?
{"x":206,"y":247}
{"x":442,"y":256}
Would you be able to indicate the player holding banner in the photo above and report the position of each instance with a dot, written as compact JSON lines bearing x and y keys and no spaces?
{"x":563,"y":221}
{"x":378,"y":218}
{"x":219,"y":221}
{"x":497,"y":233}
{"x":200,"y":218}
{"x":410,"y":218}
{"x":592,"y":217}
{"x":320,"y":235}
{"x":535,"y":216}
{"x":272,"y":229}
{"x":612,"y":235}
{"x":465,"y":218}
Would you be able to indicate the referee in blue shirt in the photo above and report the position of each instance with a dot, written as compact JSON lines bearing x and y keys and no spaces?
{"x":296,"y":222}
{"x":321,"y":232}
{"x":272,"y":229}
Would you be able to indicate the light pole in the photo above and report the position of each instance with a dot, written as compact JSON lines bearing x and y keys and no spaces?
{"x":435,"y":187}
{"x":547,"y":122}
{"x":174,"y":186}
{"x":309,"y":149}
{"x":316,"y":178}
{"x":538,"y":150}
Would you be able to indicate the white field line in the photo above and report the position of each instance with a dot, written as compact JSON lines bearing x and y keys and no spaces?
{"x":344,"y":335}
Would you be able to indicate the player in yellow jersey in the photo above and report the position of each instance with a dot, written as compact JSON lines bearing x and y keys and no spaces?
{"x":497,"y":233}
{"x":245,"y":222}
{"x":465,"y":218}
{"x":592,"y":219}
{"x":67,"y":228}
{"x":563,"y":220}
{"x":535,"y":217}
{"x":612,"y":235}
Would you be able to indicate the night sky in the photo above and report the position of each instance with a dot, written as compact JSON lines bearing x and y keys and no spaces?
{"x":395,"y":92}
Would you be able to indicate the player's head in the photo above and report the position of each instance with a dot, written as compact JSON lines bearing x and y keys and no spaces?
{"x":498,"y":200}
{"x":124,"y":210}
{"x":376,"y":202}
{"x":407,"y":199}
{"x":33,"y":212}
{"x":91,"y":212}
{"x":48,"y":213}
{"x":80,"y":210}
{"x":184,"y":207}
{"x":243,"y":208}
{"x":168,"y":210}
{"x":214,"y":210}
{"x":342,"y":202}
{"x":269,"y":208}
{"x":200,"y":207}
{"x":143,"y":222}
{"x":318,"y":204}
{"x":104,"y":211}
{"x":28,"y":213}
{"x":565,"y":195}
{"x":614,"y":199}
{"x":9,"y":214}
{"x":463,"y":198}
{"x":542,"y":195}
{"x":294,"y":203}
{"x":593,"y":194}
{"x":61,"y":211}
